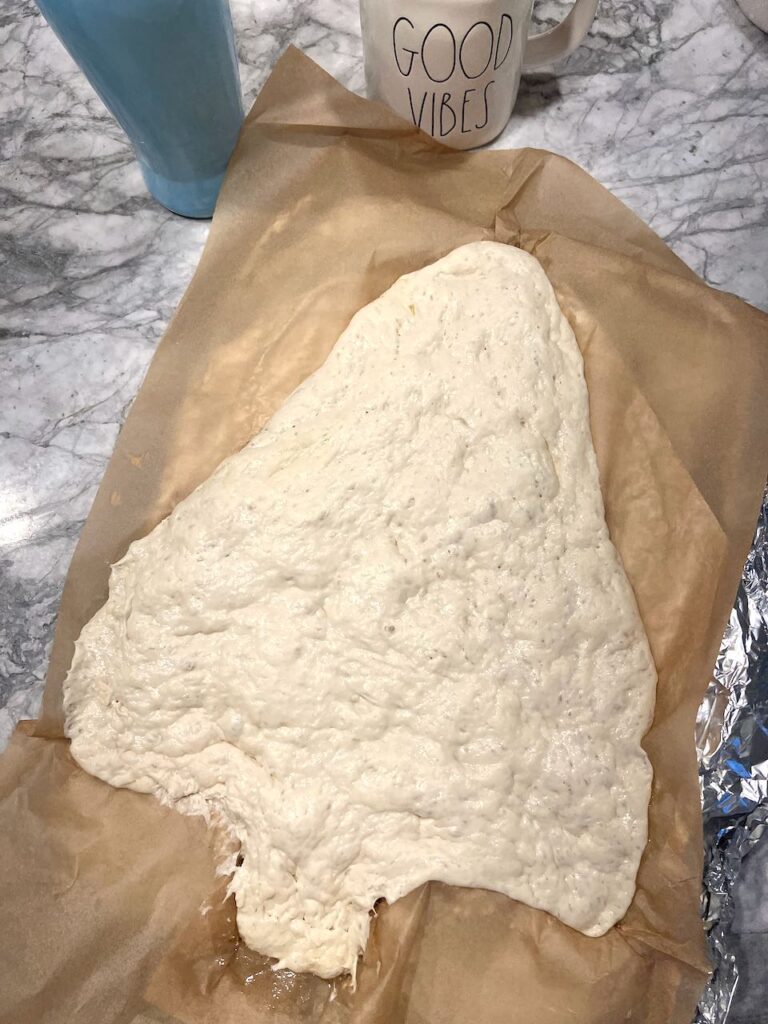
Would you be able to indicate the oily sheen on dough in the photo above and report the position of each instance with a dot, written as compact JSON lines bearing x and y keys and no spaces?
{"x":390,"y":640}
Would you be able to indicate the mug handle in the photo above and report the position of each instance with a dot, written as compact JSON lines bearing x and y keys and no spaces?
{"x":556,"y":43}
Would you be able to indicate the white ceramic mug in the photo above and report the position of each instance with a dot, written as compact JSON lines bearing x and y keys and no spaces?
{"x":453,"y":67}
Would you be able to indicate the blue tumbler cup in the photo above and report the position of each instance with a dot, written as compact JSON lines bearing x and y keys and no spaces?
{"x":167,"y":70}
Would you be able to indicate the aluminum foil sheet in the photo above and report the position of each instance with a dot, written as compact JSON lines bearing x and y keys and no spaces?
{"x":732,"y":744}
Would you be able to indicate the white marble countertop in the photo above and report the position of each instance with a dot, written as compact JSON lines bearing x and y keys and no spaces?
{"x":666,"y":104}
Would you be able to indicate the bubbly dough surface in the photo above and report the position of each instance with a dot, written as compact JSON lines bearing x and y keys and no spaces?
{"x":390,"y":640}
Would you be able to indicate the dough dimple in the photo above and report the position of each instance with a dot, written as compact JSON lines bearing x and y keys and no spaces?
{"x":390,"y":640}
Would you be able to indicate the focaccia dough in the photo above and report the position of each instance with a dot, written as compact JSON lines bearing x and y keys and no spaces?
{"x":391,"y":640}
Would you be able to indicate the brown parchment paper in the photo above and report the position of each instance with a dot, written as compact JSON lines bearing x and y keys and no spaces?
{"x":111,"y":911}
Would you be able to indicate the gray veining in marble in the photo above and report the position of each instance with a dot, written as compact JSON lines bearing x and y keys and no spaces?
{"x":666,"y":104}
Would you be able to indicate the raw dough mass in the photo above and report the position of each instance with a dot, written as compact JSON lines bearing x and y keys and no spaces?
{"x":390,"y":640}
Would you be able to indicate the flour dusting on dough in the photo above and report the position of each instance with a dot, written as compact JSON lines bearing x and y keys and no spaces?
{"x":390,"y":640}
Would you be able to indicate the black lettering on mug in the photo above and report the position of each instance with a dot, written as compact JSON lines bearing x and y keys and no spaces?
{"x":421,"y":108}
{"x":435,"y":78}
{"x":485,"y":102}
{"x":445,"y":105}
{"x":463,"y":60}
{"x":498,"y":61}
{"x":465,"y":131}
{"x":404,"y":48}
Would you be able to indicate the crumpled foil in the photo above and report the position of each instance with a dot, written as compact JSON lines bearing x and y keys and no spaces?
{"x":732,"y":744}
